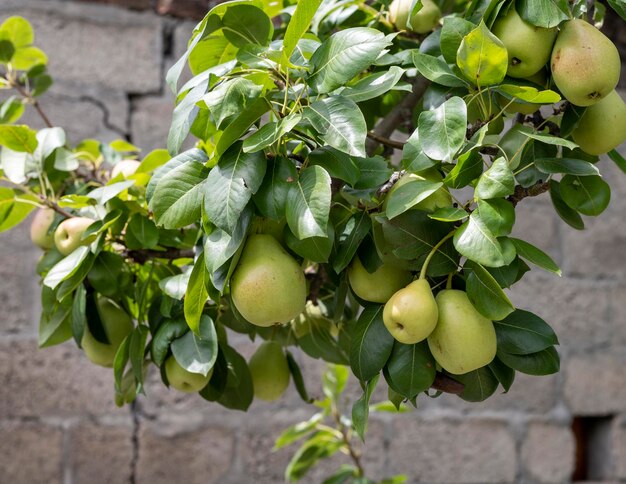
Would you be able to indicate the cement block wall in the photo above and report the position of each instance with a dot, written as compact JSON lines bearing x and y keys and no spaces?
{"x":58,"y":423}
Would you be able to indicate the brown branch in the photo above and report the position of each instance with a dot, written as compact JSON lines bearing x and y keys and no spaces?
{"x":396,"y":145}
{"x":444,"y":383}
{"x":532,"y":191}
{"x":393,"y":179}
{"x":34,"y":102}
{"x":404,"y":110}
{"x":144,"y":255}
{"x":55,"y":207}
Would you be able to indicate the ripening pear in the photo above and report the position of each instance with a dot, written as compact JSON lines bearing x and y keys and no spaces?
{"x":422,"y":22}
{"x":585,"y":63}
{"x":441,"y":198}
{"x":463,"y":340}
{"x":529,"y":47}
{"x":268,"y":285}
{"x":270,"y":371}
{"x":602,"y":126}
{"x":184,"y":380}
{"x":378,"y":286}
{"x":411,"y":314}
{"x":40,"y":229}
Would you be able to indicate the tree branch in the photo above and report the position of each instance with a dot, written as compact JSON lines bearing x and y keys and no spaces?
{"x":396,"y":145}
{"x":531,"y":191}
{"x":34,"y":102}
{"x":404,"y":110}
{"x":444,"y":383}
{"x":393,"y":179}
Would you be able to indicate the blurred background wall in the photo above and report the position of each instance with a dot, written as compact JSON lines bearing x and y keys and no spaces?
{"x":58,"y":423}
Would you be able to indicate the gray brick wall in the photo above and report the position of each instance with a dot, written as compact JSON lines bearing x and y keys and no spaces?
{"x":57,"y":419}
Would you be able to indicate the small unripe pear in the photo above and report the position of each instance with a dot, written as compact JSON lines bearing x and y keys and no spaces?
{"x":529,"y":47}
{"x":585,"y":63}
{"x":69,"y":233}
{"x":183,"y":380}
{"x":268,"y":285}
{"x":270,"y":371}
{"x":463,"y":340}
{"x":378,"y":286}
{"x":39,"y":228}
{"x":602,"y":126}
{"x":422,"y":22}
{"x":411,"y":314}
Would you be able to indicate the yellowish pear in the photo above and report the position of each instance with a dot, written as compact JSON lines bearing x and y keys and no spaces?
{"x":422,"y":22}
{"x":463,"y":340}
{"x":270,"y":371}
{"x":602,"y":126}
{"x":585,"y":63}
{"x":378,"y":286}
{"x":268,"y":285}
{"x":39,"y":228}
{"x":411,"y":314}
{"x":529,"y":47}
{"x":184,"y":380}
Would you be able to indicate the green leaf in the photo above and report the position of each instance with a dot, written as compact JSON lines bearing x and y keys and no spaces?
{"x":410,"y":369}
{"x":270,"y":133}
{"x":237,"y":128}
{"x":239,"y":393}
{"x":545,"y":362}
{"x":374,"y":85}
{"x":374,"y":172}
{"x":567,"y":214}
{"x":193,"y":154}
{"x":344,"y":55}
{"x":371,"y":344}
{"x":497,"y":181}
{"x":297,"y":431}
{"x":55,"y":324}
{"x":298,"y":25}
{"x":589,"y":195}
{"x":136,"y":351}
{"x":177,"y":198}
{"x":619,"y":160}
{"x":169,"y":330}
{"x":485,"y":293}
{"x":231,"y":184}
{"x":482,"y":57}
{"x":619,"y":6}
{"x":106,"y":193}
{"x":315,"y":249}
{"x":340,"y":123}
{"x":453,"y":31}
{"x":298,"y":379}
{"x":141,"y":232}
{"x":271,"y":197}
{"x":247,"y":24}
{"x":468,"y":167}
{"x":66,"y":268}
{"x":535,"y":256}
{"x":196,"y":295}
{"x":18,"y":138}
{"x":308,"y":203}
{"x":14,"y":208}
{"x":543,"y":13}
{"x":551,"y":140}
{"x":498,"y":215}
{"x":321,"y":445}
{"x":337,"y":163}
{"x":352,"y":234}
{"x":569,"y":166}
{"x":219,"y":246}
{"x":436,"y":70}
{"x":479,"y":384}
{"x":11,"y":110}
{"x":18,"y":31}
{"x":442,"y":130}
{"x":79,"y":315}
{"x":197,"y":353}
{"x":475,"y":241}
{"x":229,"y":98}
{"x":315,"y":340}
{"x":528,"y":94}
{"x":449,"y":214}
{"x":408,"y":195}
{"x":6,"y":51}
{"x":504,"y":374}
{"x":175,"y":286}
{"x":361,"y":408}
{"x":413,"y":157}
{"x":523,"y":332}
{"x":184,"y":115}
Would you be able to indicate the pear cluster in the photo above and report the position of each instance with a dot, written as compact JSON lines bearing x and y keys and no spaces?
{"x":585,"y":67}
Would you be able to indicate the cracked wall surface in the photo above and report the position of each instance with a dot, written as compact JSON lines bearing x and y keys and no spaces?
{"x":58,"y":422}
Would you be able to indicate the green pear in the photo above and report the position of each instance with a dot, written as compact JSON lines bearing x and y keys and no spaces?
{"x":183,"y":380}
{"x":268,"y":285}
{"x":378,"y":286}
{"x":117,"y":324}
{"x":602,"y":126}
{"x":411,"y":314}
{"x":528,"y":46}
{"x":40,"y":229}
{"x":422,"y":22}
{"x":439,"y":199}
{"x":585,"y":63}
{"x":270,"y":371}
{"x":463,"y":339}
{"x":69,"y":233}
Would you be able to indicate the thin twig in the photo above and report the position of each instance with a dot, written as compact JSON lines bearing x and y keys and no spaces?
{"x":396,"y":145}
{"x":532,"y":191}
{"x":444,"y":383}
{"x":34,"y":102}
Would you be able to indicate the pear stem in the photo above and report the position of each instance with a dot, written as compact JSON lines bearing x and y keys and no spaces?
{"x":432,"y":254}
{"x":449,"y":281}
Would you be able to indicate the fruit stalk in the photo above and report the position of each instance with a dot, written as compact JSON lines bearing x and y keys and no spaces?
{"x":432,"y":254}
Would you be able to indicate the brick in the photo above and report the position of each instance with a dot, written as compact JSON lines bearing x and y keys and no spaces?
{"x":19,"y":293}
{"x":548,"y":452}
{"x":577,"y":310}
{"x":594,"y":383}
{"x":618,"y":448}
{"x":56,"y":381}
{"x":167,"y":455}
{"x":150,"y":122}
{"x":101,"y":450}
{"x":30,"y":453}
{"x":182,"y":34}
{"x":92,"y":44}
{"x":597,"y":252}
{"x":476,"y":450}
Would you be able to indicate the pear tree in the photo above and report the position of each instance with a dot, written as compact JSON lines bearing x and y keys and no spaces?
{"x":340,"y":182}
